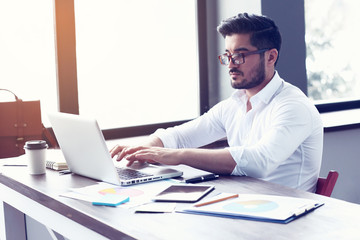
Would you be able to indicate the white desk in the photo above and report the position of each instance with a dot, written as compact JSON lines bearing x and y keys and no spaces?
{"x":37,"y":197}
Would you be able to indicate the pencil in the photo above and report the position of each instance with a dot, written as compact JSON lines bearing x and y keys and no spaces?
{"x":216,"y":200}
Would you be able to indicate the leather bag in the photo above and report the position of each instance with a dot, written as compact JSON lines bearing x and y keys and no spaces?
{"x":20,"y":121}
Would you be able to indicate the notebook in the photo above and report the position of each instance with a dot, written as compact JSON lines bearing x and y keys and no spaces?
{"x":55,"y":160}
{"x":86,"y":153}
{"x":57,"y":166}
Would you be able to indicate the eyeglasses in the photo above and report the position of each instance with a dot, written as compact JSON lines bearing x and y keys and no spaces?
{"x":238,"y":58}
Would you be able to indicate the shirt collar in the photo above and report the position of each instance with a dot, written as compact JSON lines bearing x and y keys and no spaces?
{"x":265,"y":95}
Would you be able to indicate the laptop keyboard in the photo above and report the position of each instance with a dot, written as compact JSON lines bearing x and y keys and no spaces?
{"x":128,"y":173}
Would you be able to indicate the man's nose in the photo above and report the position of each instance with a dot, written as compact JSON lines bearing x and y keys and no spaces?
{"x":232,"y":64}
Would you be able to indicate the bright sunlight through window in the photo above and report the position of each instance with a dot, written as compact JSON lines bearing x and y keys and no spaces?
{"x":27,"y":52}
{"x":137,"y":61}
{"x":332,"y":37}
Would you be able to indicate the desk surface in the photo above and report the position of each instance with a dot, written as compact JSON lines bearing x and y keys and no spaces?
{"x":337,"y":219}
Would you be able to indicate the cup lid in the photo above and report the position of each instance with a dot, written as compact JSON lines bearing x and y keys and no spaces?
{"x":36,"y":144}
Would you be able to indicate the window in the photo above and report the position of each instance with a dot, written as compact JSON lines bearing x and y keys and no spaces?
{"x":333,"y":63}
{"x":137,"y":61}
{"x":27,"y":59}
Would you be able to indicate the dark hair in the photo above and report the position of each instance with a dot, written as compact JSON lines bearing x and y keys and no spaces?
{"x":263,"y":31}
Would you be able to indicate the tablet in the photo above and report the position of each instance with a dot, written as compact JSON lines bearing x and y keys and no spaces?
{"x":183,"y":193}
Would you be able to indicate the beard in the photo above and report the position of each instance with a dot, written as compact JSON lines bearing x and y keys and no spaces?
{"x":256,"y":75}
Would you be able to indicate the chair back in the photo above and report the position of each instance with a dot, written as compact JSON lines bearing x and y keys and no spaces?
{"x":326,"y":185}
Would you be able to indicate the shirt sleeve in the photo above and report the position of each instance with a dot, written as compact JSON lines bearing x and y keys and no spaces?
{"x":196,"y":133}
{"x":291,"y":124}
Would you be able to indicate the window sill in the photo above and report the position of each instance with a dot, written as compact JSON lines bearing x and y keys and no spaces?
{"x":333,"y":121}
{"x":341,"y":120}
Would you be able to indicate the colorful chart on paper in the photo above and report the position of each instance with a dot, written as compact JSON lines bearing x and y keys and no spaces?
{"x":251,"y":206}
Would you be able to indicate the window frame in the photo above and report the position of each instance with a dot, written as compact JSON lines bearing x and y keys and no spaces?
{"x":337,"y":106}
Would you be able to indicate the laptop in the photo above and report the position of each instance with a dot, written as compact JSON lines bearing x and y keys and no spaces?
{"x":86,"y":153}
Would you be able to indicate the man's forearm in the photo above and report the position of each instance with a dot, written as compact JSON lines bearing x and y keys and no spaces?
{"x":217,"y":161}
{"x":153,"y":141}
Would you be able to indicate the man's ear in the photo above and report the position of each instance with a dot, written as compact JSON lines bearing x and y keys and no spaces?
{"x":272,"y":56}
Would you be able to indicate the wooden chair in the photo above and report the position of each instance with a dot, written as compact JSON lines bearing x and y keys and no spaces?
{"x":326,"y":185}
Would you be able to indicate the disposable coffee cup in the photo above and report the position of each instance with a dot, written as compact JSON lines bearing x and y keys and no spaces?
{"x":36,"y":154}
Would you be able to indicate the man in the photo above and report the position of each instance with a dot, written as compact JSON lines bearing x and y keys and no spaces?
{"x":274,"y":132}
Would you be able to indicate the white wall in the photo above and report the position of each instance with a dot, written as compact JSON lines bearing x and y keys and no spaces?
{"x":342,"y":153}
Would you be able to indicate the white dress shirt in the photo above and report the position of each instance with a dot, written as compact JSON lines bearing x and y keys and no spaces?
{"x":279,"y":140}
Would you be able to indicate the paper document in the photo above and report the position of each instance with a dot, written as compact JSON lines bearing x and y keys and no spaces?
{"x":156,"y":207}
{"x":138,"y":194}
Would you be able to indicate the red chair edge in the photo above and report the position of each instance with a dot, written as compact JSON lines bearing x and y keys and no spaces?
{"x":326,"y":185}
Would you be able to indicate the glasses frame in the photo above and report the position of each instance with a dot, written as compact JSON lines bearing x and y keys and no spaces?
{"x":232,"y":57}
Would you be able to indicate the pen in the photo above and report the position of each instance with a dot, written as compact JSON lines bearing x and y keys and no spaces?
{"x":203,"y":178}
{"x":216,"y":200}
{"x":15,"y":165}
{"x":63,"y":172}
